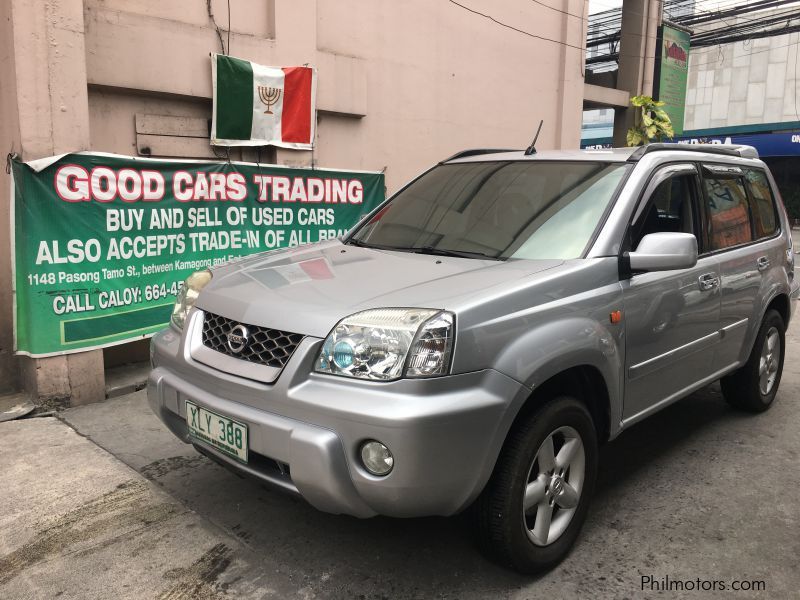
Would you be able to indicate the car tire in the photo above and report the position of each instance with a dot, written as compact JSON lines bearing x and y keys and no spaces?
{"x":753,"y":386}
{"x":523,"y":475}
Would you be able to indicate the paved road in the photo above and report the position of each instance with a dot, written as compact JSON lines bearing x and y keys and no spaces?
{"x":697,"y":491}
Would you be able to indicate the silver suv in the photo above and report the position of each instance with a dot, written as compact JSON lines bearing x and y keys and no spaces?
{"x":472,"y":340}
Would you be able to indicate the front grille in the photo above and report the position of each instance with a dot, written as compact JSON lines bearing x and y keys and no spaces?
{"x":264,"y":346}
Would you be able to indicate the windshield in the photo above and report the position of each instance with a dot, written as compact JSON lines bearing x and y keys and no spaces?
{"x":498,"y":210}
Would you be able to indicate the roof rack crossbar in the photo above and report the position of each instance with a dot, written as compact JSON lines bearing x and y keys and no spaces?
{"x":740,"y":150}
{"x":478,"y":152}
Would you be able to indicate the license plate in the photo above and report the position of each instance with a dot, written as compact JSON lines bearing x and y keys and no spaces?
{"x":224,"y":434}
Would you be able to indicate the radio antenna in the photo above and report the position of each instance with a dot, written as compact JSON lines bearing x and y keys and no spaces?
{"x":532,"y":148}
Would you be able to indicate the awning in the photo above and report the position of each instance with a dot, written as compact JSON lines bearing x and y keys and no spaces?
{"x":767,"y":144}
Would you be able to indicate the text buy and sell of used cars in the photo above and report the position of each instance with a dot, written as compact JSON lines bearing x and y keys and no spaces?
{"x":471,"y":342}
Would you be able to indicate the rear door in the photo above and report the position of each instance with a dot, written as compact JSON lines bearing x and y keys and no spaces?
{"x":672,"y":316}
{"x":742,"y":231}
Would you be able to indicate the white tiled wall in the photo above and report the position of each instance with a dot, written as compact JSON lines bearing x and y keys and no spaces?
{"x":744,"y":83}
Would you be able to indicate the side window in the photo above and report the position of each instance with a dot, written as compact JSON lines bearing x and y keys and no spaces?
{"x":765,"y":222}
{"x":669,"y":208}
{"x":728,"y":212}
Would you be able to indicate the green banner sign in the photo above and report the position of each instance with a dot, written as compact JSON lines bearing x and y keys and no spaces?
{"x":103,"y":242}
{"x":672,"y":72}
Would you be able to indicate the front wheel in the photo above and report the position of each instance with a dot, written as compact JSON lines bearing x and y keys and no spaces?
{"x":753,"y":387}
{"x":536,"y":501}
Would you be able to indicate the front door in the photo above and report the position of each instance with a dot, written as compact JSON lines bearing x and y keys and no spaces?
{"x":671,"y":317}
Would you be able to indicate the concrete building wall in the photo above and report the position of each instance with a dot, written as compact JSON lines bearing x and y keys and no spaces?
{"x":401,"y":85}
{"x":744,"y":83}
{"x":411,"y":81}
{"x":9,"y":138}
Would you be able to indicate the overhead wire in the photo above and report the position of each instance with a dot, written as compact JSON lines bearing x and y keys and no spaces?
{"x":210,"y":11}
{"x":522,"y":31}
{"x":563,"y":12}
{"x":744,"y":30}
{"x":606,"y":32}
{"x":613,"y":16}
{"x":229,"y":26}
{"x":611,"y":31}
{"x":762,"y":50}
{"x":709,"y":49}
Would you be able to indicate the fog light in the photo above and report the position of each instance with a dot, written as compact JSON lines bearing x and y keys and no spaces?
{"x":377,"y":458}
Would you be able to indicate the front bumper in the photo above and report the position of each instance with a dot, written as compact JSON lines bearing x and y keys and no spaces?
{"x":305,"y":429}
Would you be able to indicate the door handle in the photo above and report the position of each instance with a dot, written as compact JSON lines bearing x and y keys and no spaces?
{"x":762,"y":262}
{"x":708,"y":281}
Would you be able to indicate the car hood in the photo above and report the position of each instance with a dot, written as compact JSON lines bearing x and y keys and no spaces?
{"x":309,"y":289}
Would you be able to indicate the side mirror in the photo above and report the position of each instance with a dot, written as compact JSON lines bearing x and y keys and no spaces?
{"x":665,"y":251}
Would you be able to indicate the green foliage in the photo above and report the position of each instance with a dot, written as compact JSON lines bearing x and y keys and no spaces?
{"x":651,"y":123}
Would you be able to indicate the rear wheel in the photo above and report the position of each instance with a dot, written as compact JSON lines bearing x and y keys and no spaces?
{"x":753,"y":386}
{"x":536,"y":501}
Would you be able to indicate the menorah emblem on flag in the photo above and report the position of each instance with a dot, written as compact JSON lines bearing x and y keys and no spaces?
{"x":269,"y":96}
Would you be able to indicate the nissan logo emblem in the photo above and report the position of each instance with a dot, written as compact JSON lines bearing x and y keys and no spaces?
{"x":237,"y":339}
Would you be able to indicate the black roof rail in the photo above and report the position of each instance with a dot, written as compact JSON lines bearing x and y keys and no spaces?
{"x":478,"y":152}
{"x":739,"y":150}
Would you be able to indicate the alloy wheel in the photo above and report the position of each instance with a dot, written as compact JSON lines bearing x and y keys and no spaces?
{"x":769,"y":362}
{"x":554,"y":485}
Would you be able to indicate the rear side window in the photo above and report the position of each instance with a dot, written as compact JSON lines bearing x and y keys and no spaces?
{"x":765,"y":223}
{"x":728,"y":212}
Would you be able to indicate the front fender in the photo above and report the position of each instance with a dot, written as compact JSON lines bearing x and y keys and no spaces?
{"x":549,"y":349}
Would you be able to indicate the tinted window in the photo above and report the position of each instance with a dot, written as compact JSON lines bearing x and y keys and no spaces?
{"x":764,"y":221}
{"x":522,"y":209}
{"x":728,"y":213}
{"x":668,"y":209}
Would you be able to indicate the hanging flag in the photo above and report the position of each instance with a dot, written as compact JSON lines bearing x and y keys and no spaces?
{"x":256,"y":105}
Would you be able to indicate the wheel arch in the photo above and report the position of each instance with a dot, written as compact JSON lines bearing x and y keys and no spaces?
{"x":584,"y":381}
{"x":781,"y":304}
{"x":577,"y":356}
{"x":587,"y":384}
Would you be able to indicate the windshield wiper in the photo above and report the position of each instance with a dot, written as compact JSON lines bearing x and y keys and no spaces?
{"x":445,"y":252}
{"x":363,"y":244}
{"x":424,"y":250}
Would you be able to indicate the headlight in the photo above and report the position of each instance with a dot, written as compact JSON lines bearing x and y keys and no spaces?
{"x":188,"y":294}
{"x":389,"y":343}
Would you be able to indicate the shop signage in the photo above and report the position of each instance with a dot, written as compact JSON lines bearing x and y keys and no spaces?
{"x":672,"y":71}
{"x":103,"y":242}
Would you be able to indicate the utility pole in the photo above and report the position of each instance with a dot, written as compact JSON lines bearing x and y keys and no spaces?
{"x":637,"y":51}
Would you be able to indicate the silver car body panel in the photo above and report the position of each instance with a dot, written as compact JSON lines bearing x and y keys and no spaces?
{"x":519,"y":323}
{"x":290,"y":301}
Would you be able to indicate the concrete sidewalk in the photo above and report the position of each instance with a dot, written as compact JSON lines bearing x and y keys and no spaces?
{"x":78,"y":523}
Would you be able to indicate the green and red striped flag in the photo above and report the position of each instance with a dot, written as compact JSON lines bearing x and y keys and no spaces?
{"x":256,"y":105}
